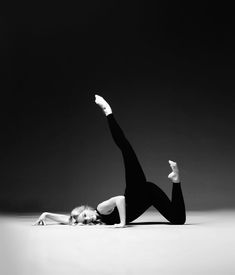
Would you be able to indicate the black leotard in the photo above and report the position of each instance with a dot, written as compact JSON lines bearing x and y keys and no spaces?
{"x":111,"y":218}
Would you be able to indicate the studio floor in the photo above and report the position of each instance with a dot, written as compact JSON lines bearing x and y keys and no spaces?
{"x":204,"y":245}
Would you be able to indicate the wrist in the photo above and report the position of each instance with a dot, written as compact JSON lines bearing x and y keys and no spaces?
{"x":44,"y":215}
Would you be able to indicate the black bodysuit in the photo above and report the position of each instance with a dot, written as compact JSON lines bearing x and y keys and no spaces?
{"x":111,"y":218}
{"x":139,"y":193}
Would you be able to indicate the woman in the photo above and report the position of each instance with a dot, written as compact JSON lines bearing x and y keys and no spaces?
{"x":139,"y":193}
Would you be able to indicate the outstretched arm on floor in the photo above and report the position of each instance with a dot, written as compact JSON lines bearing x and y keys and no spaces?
{"x":60,"y":218}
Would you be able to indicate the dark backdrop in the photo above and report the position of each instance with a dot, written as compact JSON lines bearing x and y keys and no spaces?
{"x":167,"y":70}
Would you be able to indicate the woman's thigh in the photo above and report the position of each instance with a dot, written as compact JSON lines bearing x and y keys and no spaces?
{"x":138,"y":200}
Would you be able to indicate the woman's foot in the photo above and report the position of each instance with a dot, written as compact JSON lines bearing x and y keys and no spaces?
{"x":99,"y":100}
{"x":174,"y":175}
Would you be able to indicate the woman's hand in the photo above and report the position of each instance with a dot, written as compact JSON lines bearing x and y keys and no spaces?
{"x":119,"y":225}
{"x":41,"y":220}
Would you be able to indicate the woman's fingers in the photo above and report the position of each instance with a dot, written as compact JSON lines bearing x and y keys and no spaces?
{"x":40,"y":222}
{"x":36,"y":223}
{"x":119,"y":225}
{"x":43,"y":222}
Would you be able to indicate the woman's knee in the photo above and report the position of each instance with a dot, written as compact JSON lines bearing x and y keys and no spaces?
{"x":178,"y":220}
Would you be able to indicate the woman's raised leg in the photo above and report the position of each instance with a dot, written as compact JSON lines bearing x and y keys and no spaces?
{"x":133,"y":170}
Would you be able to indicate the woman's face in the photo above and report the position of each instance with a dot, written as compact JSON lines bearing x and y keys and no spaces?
{"x":86,"y":216}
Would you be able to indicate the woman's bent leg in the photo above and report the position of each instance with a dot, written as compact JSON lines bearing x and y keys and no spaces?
{"x":173,"y":210}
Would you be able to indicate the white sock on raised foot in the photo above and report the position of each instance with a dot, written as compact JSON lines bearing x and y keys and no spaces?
{"x":99,"y":100}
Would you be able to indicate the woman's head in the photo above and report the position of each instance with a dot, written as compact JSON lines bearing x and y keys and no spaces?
{"x":84,"y":215}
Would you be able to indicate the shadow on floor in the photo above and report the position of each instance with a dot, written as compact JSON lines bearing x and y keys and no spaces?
{"x":154,"y":223}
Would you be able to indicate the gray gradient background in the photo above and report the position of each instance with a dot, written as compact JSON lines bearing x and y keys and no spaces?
{"x":167,"y":71}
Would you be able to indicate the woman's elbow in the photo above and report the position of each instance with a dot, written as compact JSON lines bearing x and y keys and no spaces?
{"x":120,"y":199}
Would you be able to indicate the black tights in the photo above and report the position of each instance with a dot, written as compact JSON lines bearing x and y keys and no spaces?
{"x":141,"y":194}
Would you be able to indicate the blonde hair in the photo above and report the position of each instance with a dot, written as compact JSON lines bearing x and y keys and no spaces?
{"x":78,"y":210}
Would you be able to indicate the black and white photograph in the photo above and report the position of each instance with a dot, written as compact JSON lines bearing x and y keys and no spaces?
{"x":117,"y":138}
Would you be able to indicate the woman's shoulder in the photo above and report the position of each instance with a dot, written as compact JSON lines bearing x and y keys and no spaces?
{"x":107,"y":207}
{"x":102,"y":210}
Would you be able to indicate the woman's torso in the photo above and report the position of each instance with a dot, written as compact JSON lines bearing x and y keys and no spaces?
{"x":111,"y":216}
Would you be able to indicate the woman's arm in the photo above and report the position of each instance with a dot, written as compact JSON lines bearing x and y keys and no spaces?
{"x":121,"y":206}
{"x":119,"y":202}
{"x":60,"y":218}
